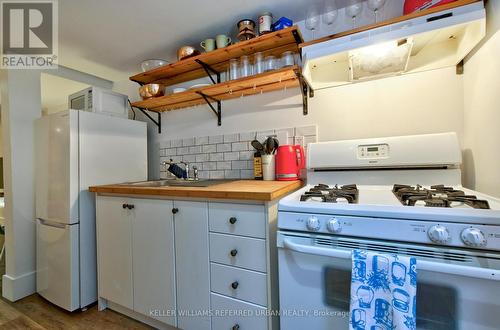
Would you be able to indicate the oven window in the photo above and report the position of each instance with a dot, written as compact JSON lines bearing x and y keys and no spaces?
{"x":437,"y":306}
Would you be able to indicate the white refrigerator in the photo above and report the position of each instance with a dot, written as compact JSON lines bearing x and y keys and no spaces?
{"x":75,"y":150}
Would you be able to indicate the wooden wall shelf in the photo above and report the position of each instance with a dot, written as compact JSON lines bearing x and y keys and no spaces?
{"x":214,"y":63}
{"x":275,"y":43}
{"x":262,"y":83}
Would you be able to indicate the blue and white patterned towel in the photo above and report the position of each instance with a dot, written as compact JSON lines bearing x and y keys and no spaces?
{"x":383,"y":291}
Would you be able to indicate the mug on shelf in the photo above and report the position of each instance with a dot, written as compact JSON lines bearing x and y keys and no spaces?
{"x":222,"y":40}
{"x":208,"y":44}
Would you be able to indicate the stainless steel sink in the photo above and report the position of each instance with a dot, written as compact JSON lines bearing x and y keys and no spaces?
{"x":179,"y":183}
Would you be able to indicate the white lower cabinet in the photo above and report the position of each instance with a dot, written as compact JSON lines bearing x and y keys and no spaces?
{"x":233,"y":314}
{"x":153,"y":260}
{"x":136,"y":260}
{"x":239,"y":283}
{"x":194,"y":265}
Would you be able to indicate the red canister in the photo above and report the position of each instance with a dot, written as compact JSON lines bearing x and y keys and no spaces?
{"x":419,"y":5}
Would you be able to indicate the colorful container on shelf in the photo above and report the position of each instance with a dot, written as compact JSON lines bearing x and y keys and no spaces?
{"x":411,"y":6}
{"x":281,"y":24}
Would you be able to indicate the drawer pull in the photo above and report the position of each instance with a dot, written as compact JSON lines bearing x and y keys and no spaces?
{"x":233,"y":252}
{"x":236,"y":327}
{"x":124,"y":206}
{"x":128,"y":206}
{"x":232,"y":220}
{"x":234,"y":285}
{"x":175,"y":210}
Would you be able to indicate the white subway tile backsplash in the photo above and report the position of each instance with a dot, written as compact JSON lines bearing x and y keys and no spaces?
{"x":240,"y":146}
{"x":216,"y":157}
{"x":223,"y":165}
{"x":224,"y":147}
{"x":211,"y":166}
{"x":182,"y":151}
{"x":215,"y":139}
{"x":203,"y":157}
{"x":195,"y":150}
{"x":230,"y":155}
{"x":201,"y":140}
{"x":232,"y":174}
{"x":246,"y":155}
{"x":246,"y":174}
{"x":216,"y":174}
{"x":231,"y":138}
{"x":189,"y":158}
{"x":248,"y":136}
{"x":240,"y":164}
{"x":209,"y":148}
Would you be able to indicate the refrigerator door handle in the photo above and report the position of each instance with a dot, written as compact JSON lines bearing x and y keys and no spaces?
{"x":52,"y":223}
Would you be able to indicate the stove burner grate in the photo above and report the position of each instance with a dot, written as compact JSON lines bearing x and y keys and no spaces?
{"x":326,"y":194}
{"x":436,"y":196}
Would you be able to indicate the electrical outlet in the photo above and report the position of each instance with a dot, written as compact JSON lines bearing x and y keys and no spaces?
{"x":299,"y":140}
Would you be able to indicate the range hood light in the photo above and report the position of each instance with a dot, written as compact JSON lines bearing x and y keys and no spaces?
{"x":385,"y":59}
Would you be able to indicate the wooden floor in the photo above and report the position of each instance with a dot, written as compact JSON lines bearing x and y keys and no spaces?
{"x":34,"y":312}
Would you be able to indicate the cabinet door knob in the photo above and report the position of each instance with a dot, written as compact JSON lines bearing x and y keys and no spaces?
{"x":232,"y":220}
{"x":233,"y":253}
{"x":234,"y":285}
{"x":124,"y":206}
{"x":130,"y":206}
{"x":175,"y":210}
{"x":236,"y":327}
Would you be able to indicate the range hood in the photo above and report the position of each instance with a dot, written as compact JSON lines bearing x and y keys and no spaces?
{"x":427,"y":42}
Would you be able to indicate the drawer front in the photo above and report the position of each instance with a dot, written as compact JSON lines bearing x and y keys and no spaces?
{"x":252,"y":317}
{"x":244,"y":252}
{"x":237,"y":219}
{"x":238,"y":283}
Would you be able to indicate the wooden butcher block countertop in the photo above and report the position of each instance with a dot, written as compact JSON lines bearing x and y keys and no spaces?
{"x":238,"y":189}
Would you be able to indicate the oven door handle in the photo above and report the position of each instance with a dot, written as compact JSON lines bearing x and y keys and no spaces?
{"x":430,"y":266}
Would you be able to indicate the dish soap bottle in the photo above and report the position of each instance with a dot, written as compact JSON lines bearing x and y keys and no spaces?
{"x":257,"y":166}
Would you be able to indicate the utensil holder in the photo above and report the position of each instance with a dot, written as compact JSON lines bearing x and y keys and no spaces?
{"x":268,"y":167}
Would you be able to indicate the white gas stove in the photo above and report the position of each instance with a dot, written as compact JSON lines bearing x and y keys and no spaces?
{"x":398,"y":195}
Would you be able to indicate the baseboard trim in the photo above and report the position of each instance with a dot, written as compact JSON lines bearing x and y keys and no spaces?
{"x":139,"y":317}
{"x":15,"y":288}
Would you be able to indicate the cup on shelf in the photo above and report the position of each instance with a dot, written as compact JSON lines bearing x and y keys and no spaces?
{"x":245,"y":67}
{"x":222,"y":40}
{"x":208,"y":44}
{"x":287,"y":59}
{"x":258,"y":65}
{"x":268,"y":167}
{"x":271,"y":63}
{"x":233,"y":69}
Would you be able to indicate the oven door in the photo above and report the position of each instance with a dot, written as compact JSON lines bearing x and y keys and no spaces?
{"x":456,"y":289}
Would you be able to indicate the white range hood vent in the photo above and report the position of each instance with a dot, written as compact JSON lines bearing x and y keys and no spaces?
{"x":424,"y":43}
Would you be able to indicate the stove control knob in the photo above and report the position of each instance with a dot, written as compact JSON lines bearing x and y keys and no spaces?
{"x":313,"y":224}
{"x":473,"y":237}
{"x":439,"y":234}
{"x":334,"y":226}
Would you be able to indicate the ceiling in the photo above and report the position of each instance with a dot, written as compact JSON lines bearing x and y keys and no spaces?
{"x":109,"y":38}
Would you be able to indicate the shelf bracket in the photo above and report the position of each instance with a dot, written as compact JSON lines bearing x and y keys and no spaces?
{"x":156,"y":122}
{"x":306,"y":90}
{"x":210,"y":71}
{"x":218,"y":112}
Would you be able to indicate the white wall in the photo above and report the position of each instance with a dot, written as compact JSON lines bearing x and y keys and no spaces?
{"x":482,"y":110}
{"x":21,"y":105}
